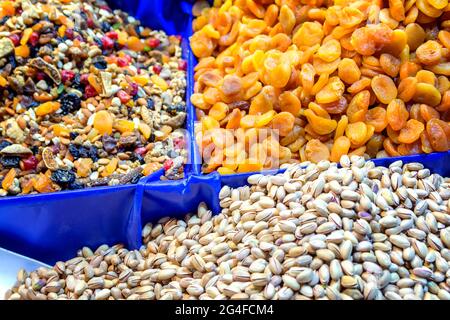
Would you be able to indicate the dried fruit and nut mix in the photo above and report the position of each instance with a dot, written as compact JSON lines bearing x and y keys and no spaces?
{"x":339,"y":77}
{"x":88,"y":97}
{"x":313,"y":232}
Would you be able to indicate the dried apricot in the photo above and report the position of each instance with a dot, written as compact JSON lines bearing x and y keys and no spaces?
{"x":411,"y":132}
{"x":283,"y":122}
{"x":397,"y":114}
{"x":377,"y":118}
{"x":384,"y":88}
{"x":316,"y":151}
{"x":341,"y":146}
{"x":356,"y":132}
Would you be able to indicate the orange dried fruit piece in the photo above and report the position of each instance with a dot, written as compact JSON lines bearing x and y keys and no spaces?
{"x":390,"y":64}
{"x":47,"y":108}
{"x":150,"y":168}
{"x":26,"y":35}
{"x":110,"y":168}
{"x":159,"y":82}
{"x":135,"y":44}
{"x":428,"y":94}
{"x":43,"y":184}
{"x":390,"y":148}
{"x":83,"y":166}
{"x":349,"y":71}
{"x":429,"y":53}
{"x":9,"y":179}
{"x":320,"y":125}
{"x":332,"y":91}
{"x":283,"y":122}
{"x":234,"y":120}
{"x":377,"y":118}
{"x":341,"y":126}
{"x":330,"y":50}
{"x":279,"y":76}
{"x":145,"y":130}
{"x":384,"y":88}
{"x":124,"y":126}
{"x":94,"y":82}
{"x":140,"y":80}
{"x":224,"y":171}
{"x":60,"y":131}
{"x":341,"y":146}
{"x":407,"y":88}
{"x":209,"y":123}
{"x":374,"y":145}
{"x":411,"y":132}
{"x":249,"y":165}
{"x":289,"y":102}
{"x":22,"y":51}
{"x":397,"y":114}
{"x":316,"y":151}
{"x":437,"y":136}
{"x":231,"y":85}
{"x":428,"y":112}
{"x":197,"y":99}
{"x":309,"y":34}
{"x":356,"y":132}
{"x":103,"y":122}
{"x":264,"y":119}
{"x":218,"y":111}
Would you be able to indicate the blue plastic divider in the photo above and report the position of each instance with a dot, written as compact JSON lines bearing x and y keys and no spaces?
{"x":51,"y":227}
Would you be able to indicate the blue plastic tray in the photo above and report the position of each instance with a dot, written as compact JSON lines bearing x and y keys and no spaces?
{"x":52,"y":227}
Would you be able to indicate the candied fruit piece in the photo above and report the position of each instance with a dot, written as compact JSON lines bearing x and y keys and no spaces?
{"x":103,"y":122}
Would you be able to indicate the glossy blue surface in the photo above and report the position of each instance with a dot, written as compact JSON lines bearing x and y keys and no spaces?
{"x":51,"y":227}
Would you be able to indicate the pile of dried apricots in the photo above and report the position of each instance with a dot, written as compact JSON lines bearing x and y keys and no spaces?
{"x":364,"y":77}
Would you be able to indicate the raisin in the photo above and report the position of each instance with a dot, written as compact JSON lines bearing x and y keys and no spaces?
{"x":10,"y":162}
{"x":70,"y":103}
{"x":63,"y":176}
{"x":4,"y":144}
{"x":100,"y":63}
{"x":75,"y":186}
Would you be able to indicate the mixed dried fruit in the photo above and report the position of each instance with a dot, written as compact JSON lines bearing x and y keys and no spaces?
{"x":333,"y":77}
{"x":88,"y":97}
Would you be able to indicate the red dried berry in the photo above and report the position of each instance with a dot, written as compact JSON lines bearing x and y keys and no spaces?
{"x":15,"y":39}
{"x":69,"y":34}
{"x":90,"y":23}
{"x":134,"y":89}
{"x":168,"y":164}
{"x":67,"y":75}
{"x":112,"y":35}
{"x":30,"y":163}
{"x":34,"y":38}
{"x":89,"y":91}
{"x":84,"y":78}
{"x":107,"y":43}
{"x":123,"y":96}
{"x":128,"y":58}
{"x":121,"y":62}
{"x":153,"y":42}
{"x":157,"y":69}
{"x":182,"y":65}
{"x":140,"y":151}
{"x":40,"y":76}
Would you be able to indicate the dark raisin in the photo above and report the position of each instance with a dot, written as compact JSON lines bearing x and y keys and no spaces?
{"x":105,"y":26}
{"x":70,"y":103}
{"x":150,"y":104}
{"x":100,"y":63}
{"x":109,"y":143}
{"x":12,"y":61}
{"x":73,"y":135}
{"x":4,"y":144}
{"x":10,"y":162}
{"x":137,"y":157}
{"x":93,"y":153}
{"x":75,"y":186}
{"x":152,"y":137}
{"x":135,"y":179}
{"x":74,"y":150}
{"x":34,"y":149}
{"x":76,"y":83}
{"x":63,"y":176}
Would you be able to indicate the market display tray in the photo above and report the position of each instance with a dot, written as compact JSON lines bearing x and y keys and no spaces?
{"x":52,"y":227}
